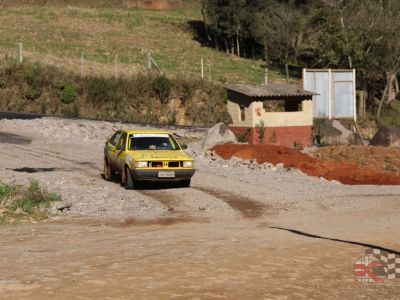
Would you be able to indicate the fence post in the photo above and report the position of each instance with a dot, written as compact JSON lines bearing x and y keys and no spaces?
{"x":116,"y":65}
{"x":202,"y":68}
{"x":21,"y":53}
{"x":82,"y":58}
{"x":148,"y":60}
{"x":265,"y":76}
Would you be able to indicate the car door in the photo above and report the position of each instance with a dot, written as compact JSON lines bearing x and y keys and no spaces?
{"x":112,"y":150}
{"x":120,"y":153}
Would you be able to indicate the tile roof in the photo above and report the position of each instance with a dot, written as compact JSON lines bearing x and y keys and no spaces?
{"x":272,"y":90}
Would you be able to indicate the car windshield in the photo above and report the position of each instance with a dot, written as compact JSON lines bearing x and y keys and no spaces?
{"x":152,"y":142}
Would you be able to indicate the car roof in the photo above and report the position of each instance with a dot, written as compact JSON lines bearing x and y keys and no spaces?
{"x":138,"y":131}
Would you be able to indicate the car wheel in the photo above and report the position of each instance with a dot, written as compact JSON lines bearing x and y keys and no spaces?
{"x":108,"y":172}
{"x":130,"y":183}
{"x":185,"y":183}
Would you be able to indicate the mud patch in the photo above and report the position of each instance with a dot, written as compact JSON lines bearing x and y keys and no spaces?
{"x":35,"y":170}
{"x":164,"y":221}
{"x":9,"y":138}
{"x":246,"y":206}
{"x":134,"y":222}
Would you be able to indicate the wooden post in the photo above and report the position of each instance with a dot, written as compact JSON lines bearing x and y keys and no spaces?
{"x":361,"y":103}
{"x":153,"y":63}
{"x":149,"y":61}
{"x":21,"y":53}
{"x":116,"y":65}
{"x":266,"y":76}
{"x":202,"y":68}
{"x":82,"y":58}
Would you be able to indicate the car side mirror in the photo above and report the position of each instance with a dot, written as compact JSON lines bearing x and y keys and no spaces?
{"x":184,"y":146}
{"x":120,"y":147}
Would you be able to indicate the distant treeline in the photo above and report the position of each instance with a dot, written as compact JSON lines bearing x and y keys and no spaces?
{"x":314,"y":34}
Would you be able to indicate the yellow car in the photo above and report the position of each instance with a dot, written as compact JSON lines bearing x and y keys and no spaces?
{"x":146,"y":155}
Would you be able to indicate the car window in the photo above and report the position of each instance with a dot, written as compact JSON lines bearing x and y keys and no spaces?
{"x":122,"y":140}
{"x":114,"y":139}
{"x":152,"y":142}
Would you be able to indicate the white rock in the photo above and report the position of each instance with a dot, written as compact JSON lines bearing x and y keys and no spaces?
{"x":219,"y":134}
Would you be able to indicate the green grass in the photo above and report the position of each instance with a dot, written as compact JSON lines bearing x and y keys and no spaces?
{"x":391,"y":114}
{"x":66,"y":32}
{"x":5,"y":191}
{"x":31,"y":199}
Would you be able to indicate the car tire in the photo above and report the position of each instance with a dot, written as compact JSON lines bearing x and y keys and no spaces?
{"x":185,"y":183}
{"x":109,"y":174}
{"x":129,"y":183}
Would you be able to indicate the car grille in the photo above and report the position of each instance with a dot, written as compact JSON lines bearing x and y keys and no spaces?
{"x":165,"y":164}
{"x":174,"y":164}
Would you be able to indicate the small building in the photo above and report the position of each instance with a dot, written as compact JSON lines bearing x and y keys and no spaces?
{"x":278,"y":114}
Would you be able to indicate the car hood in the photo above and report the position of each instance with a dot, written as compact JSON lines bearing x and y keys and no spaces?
{"x":159,"y":154}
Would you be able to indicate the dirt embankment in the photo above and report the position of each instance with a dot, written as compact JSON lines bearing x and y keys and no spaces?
{"x":385,"y":159}
{"x":343,"y":172}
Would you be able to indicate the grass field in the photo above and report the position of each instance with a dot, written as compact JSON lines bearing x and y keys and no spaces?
{"x":60,"y":34}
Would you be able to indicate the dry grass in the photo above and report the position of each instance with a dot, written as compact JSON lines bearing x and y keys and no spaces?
{"x":58,"y":35}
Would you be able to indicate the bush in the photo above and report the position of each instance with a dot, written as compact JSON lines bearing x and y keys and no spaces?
{"x":260,"y":128}
{"x":224,"y":117}
{"x":98,"y":90}
{"x":125,"y":98}
{"x":162,"y":86}
{"x":244,"y":137}
{"x":187,"y":92}
{"x":67,"y":93}
{"x":32,"y":198}
{"x":33,"y":93}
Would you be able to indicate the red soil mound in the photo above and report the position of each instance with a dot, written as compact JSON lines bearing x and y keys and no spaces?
{"x":341,"y":171}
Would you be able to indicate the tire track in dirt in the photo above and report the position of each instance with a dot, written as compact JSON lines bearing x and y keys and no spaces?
{"x":192,"y":202}
{"x":15,"y":152}
{"x":247,"y":207}
{"x":55,"y":154}
{"x":46,"y":156}
{"x":168,"y":200}
{"x":369,"y":195}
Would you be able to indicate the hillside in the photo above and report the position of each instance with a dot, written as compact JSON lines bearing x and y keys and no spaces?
{"x":111,"y":32}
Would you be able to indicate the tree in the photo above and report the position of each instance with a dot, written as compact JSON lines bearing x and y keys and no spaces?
{"x":228,"y":19}
{"x":279,"y":27}
{"x":362,"y":35}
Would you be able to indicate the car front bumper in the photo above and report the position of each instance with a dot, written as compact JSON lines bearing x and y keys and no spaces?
{"x":152,"y":175}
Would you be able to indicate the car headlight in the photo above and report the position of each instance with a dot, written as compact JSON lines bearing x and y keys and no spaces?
{"x":188,"y":164}
{"x":141,"y":164}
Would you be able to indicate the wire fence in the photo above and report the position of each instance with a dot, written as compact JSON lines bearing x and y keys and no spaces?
{"x":111,"y":64}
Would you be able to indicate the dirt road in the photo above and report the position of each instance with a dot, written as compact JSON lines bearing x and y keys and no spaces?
{"x":237,"y":233}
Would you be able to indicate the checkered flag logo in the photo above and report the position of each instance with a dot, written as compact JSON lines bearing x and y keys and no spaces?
{"x":390,"y":262}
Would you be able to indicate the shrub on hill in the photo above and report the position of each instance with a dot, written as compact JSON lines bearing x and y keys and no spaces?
{"x":149,"y":97}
